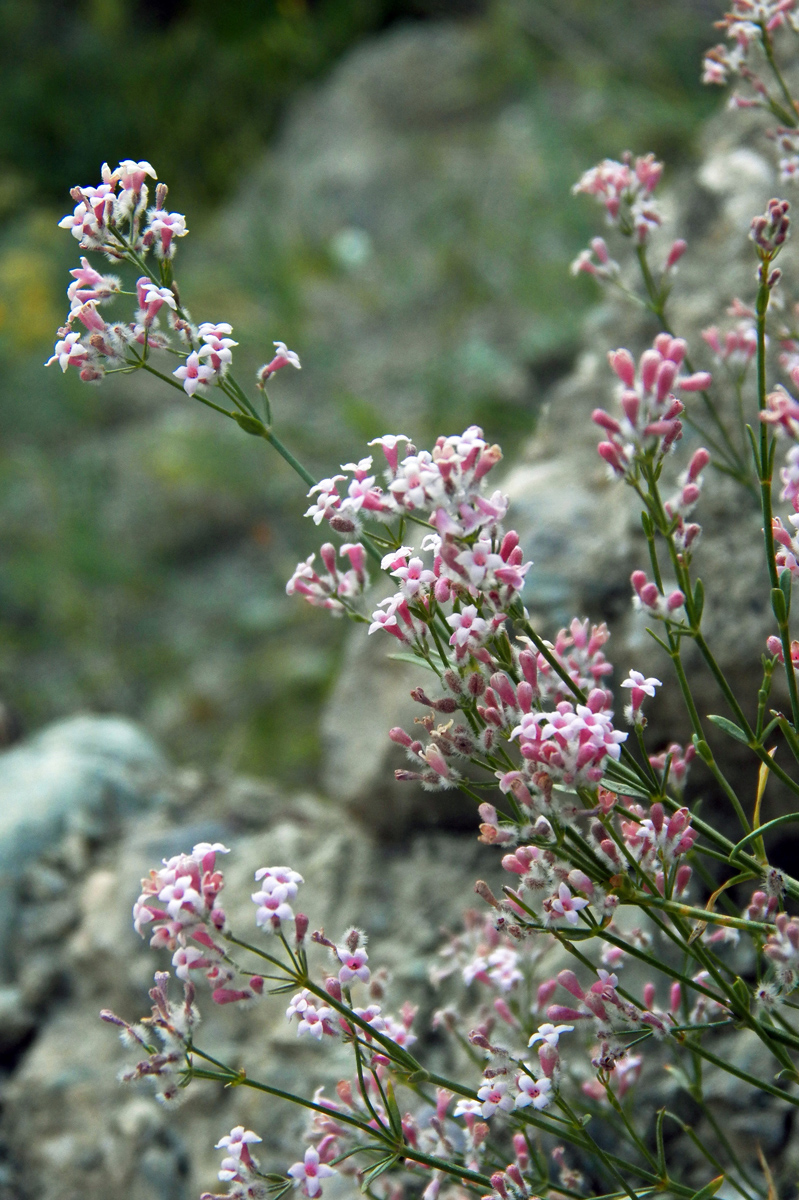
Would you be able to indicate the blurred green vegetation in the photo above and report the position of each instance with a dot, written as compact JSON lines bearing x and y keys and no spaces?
{"x":144,"y":546}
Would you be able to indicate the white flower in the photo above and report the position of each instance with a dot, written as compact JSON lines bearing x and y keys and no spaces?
{"x":636,"y":680}
{"x":549,"y":1034}
{"x":537,"y":1092}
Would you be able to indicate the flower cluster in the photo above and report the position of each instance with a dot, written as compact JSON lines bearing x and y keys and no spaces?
{"x":180,"y":901}
{"x":625,"y":189}
{"x":748,"y":24}
{"x":335,"y":589}
{"x":649,"y":420}
{"x":171,"y":1025}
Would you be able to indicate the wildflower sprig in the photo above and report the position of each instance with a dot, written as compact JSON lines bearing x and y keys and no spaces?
{"x":604,"y":855}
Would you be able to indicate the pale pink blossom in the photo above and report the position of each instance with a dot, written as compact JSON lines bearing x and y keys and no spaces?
{"x":68,"y":352}
{"x":194,"y":374}
{"x":310,"y":1172}
{"x":537,"y":1092}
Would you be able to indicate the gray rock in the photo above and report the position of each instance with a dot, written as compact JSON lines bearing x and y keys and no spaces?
{"x":77,"y":777}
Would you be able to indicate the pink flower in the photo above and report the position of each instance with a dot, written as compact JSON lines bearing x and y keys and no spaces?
{"x":549,"y":1034}
{"x":494,"y":1095}
{"x":353,"y":964}
{"x":566,"y":905}
{"x":193,"y":374}
{"x":310,"y":1172}
{"x":217,"y":345}
{"x":131,"y":175}
{"x":314,"y":1017}
{"x":283,"y":358}
{"x":69,"y":352}
{"x":152,"y":298}
{"x":162,"y":229}
{"x":640,"y":687}
{"x":90,"y":284}
{"x":537,"y":1092}
{"x":273,"y":907}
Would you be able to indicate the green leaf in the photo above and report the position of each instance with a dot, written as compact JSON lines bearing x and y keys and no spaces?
{"x":730,"y":728}
{"x":699,"y":600}
{"x":394,"y":1115}
{"x":709,"y":1190}
{"x":418,"y":661}
{"x":379,"y":1169}
{"x":703,"y":750}
{"x":662,"y":1170}
{"x":785,"y":588}
{"x":620,"y":779}
{"x":785,"y":819}
{"x":778,"y":605}
{"x":249,"y":424}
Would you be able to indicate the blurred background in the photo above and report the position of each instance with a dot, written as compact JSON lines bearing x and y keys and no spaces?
{"x":383,"y":184}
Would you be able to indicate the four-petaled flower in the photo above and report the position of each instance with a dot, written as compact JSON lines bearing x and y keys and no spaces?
{"x":566,"y":905}
{"x":549,"y":1034}
{"x":493,"y":1095}
{"x":310,"y":1172}
{"x":537,"y":1092}
{"x":353,"y":964}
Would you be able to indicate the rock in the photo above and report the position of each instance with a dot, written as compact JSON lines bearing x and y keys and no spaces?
{"x":76,"y":778}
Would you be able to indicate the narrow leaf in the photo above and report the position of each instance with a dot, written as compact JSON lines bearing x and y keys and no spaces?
{"x":699,"y":599}
{"x":394,"y":1115}
{"x":785,"y":819}
{"x":709,"y":1190}
{"x":729,"y":727}
{"x":662,"y":1170}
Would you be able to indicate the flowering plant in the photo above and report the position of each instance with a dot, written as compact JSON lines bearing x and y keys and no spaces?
{"x":607,"y":865}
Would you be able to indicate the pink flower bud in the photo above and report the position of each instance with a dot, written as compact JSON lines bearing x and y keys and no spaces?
{"x":683,"y":878}
{"x":400,"y":737}
{"x":333,"y":988}
{"x":700,"y":381}
{"x":549,"y":1058}
{"x":521,"y":1151}
{"x":649,"y":994}
{"x":529,"y":666}
{"x":605,"y":420}
{"x":675,"y":254}
{"x":698,"y":462}
{"x":568,"y":980}
{"x":546,"y":991}
{"x":559,"y":1012}
{"x":621,"y":361}
{"x":675,"y":998}
{"x":504,"y":1013}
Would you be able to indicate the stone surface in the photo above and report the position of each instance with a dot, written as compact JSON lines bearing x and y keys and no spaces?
{"x":78,"y":777}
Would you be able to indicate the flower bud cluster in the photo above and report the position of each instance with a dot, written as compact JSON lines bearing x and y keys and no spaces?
{"x":171,"y":1025}
{"x":656,"y":842}
{"x":649,"y":598}
{"x":748,"y":24}
{"x":181,"y":903}
{"x":649,"y":420}
{"x":602,"y":1004}
{"x":782,"y":948}
{"x":335,"y":589}
{"x":769,"y":231}
{"x":734,"y":348}
{"x":625,"y":189}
